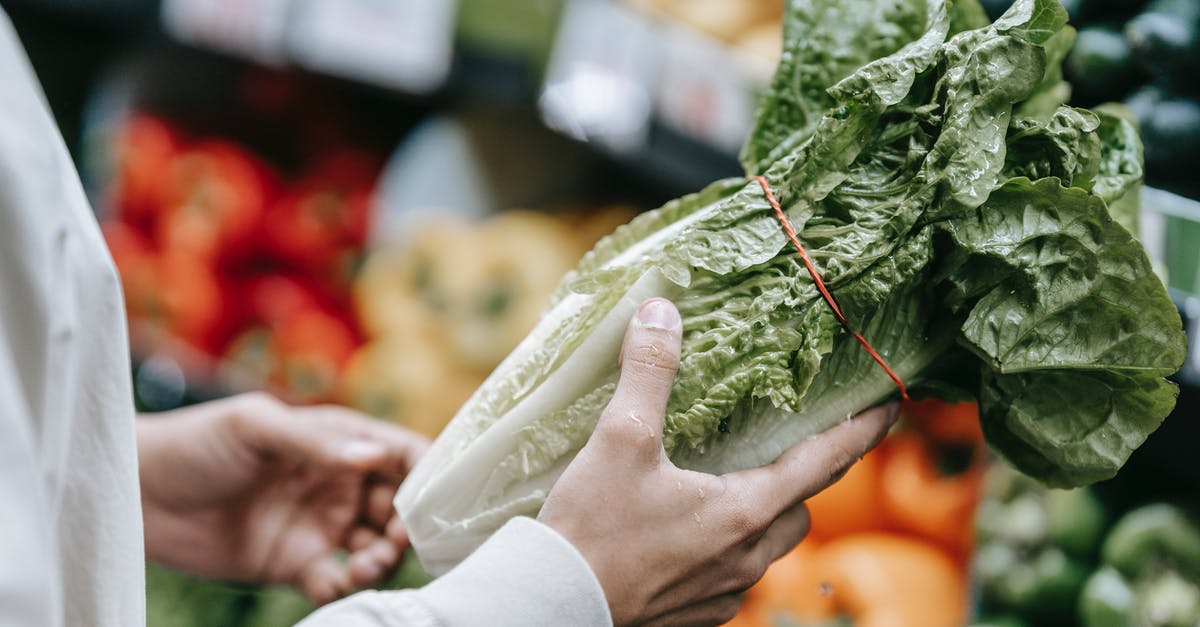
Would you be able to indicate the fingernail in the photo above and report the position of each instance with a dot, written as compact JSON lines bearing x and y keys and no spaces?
{"x":371,"y":570}
{"x":361,"y":450}
{"x":658,"y":313}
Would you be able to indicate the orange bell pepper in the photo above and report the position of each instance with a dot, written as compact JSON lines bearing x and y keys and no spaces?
{"x":792,"y":588}
{"x":852,"y":504}
{"x":750,"y":615}
{"x":918,"y":498}
{"x":887,"y":580}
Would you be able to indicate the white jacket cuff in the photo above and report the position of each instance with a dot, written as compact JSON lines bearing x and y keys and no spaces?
{"x":525,"y":574}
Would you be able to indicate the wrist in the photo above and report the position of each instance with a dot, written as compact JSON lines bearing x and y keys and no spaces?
{"x":171,"y":475}
{"x":157,"y":520}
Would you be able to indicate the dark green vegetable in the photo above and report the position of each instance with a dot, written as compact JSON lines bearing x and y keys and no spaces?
{"x":1172,"y":133}
{"x":1035,"y":546}
{"x":1076,"y":521}
{"x":1166,"y":40}
{"x":1107,"y":600}
{"x":1160,"y":599}
{"x":1151,"y":576}
{"x":1101,"y":61}
{"x":1151,"y":536}
{"x":1142,"y":102}
{"x":1044,"y":583}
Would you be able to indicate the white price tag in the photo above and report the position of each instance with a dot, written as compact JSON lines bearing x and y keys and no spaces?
{"x":402,"y":44}
{"x":706,"y":91}
{"x":250,"y":28}
{"x":600,"y":81}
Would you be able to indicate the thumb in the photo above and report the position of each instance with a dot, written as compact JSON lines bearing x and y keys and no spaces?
{"x":633,"y":419}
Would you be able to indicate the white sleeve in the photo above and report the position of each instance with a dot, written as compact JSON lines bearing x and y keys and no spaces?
{"x":29,"y":591}
{"x":525,"y":574}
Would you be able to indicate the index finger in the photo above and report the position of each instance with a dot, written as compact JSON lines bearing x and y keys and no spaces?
{"x":816,"y":463}
{"x":401,"y":448}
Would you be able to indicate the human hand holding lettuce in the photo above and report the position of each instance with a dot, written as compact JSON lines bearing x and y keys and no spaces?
{"x":960,"y":213}
{"x":674,"y":546}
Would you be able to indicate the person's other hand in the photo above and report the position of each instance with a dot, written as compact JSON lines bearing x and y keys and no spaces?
{"x":249,"y":489}
{"x":672,"y":546}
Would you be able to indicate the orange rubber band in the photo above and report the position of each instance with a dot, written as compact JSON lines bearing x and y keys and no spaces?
{"x":816,"y":277}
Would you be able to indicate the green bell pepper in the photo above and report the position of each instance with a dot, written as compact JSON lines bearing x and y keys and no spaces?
{"x":1152,"y":573}
{"x":1035,"y":545}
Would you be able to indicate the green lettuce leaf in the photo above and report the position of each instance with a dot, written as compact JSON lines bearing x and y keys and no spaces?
{"x":970,"y":226}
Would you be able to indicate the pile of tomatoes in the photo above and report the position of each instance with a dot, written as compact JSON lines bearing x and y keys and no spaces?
{"x":224,"y":257}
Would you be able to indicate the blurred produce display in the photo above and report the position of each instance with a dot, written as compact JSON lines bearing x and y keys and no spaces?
{"x":442,"y":306}
{"x":1145,"y":53}
{"x":242,"y":272}
{"x":1036,"y":547}
{"x":752,"y":26}
{"x":244,"y":262}
{"x":258,"y":280}
{"x":1149,"y":574}
{"x":1060,"y":557}
{"x":891,"y":540}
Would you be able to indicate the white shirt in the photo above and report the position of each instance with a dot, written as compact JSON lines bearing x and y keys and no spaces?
{"x":71,"y":542}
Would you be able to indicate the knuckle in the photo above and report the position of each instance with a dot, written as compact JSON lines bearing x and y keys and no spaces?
{"x":656,"y":353}
{"x":727,"y":607}
{"x":744,"y":522}
{"x":842,"y":458}
{"x":748,"y":575}
{"x":626,"y":430}
{"x":259,"y":402}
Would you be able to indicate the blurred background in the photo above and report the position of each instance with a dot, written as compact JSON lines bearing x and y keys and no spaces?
{"x":368,"y":202}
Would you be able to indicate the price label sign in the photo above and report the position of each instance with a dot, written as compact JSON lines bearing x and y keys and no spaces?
{"x":248,"y":28}
{"x":600,"y":82}
{"x":705,"y":91}
{"x":400,"y":44}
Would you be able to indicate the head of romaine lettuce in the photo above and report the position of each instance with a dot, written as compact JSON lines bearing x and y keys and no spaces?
{"x":961,"y":214}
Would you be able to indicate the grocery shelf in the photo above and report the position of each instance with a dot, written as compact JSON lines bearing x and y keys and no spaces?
{"x":651,"y":91}
{"x":109,"y":9}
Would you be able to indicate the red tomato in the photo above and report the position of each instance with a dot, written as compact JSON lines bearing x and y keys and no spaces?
{"x":137,"y":264}
{"x":124,"y":242}
{"x":311,"y":348}
{"x":346,"y":168}
{"x":273,"y":298}
{"x":323,"y":221}
{"x":192,"y":301}
{"x":144,"y":147}
{"x":214,"y":201}
{"x":315,"y":225}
